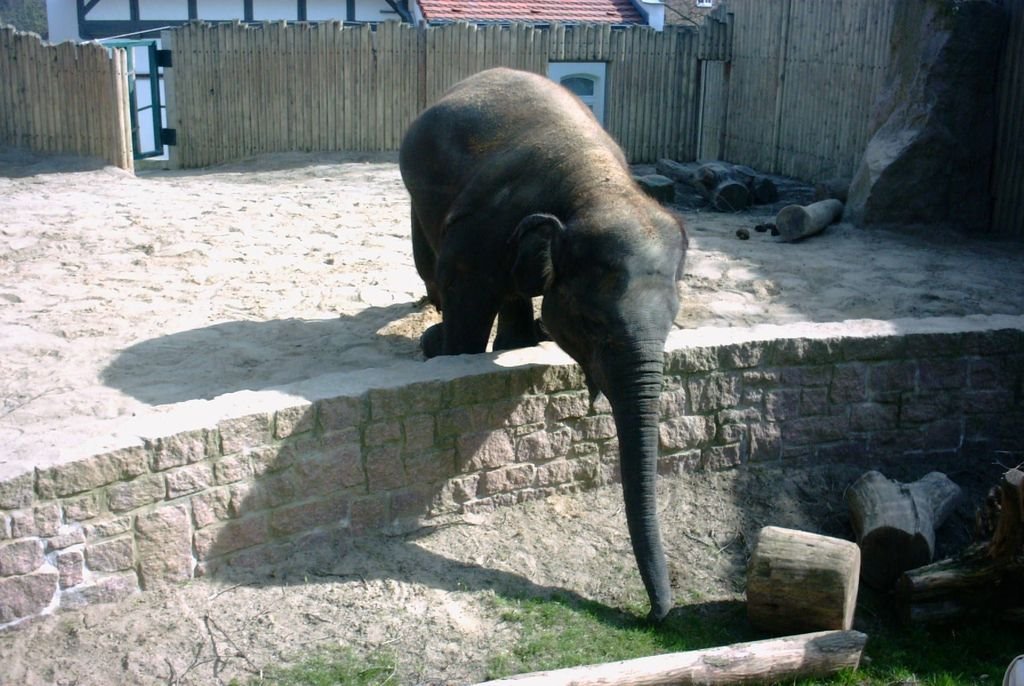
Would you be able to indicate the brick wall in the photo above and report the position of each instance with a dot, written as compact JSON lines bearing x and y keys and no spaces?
{"x":478,"y":432}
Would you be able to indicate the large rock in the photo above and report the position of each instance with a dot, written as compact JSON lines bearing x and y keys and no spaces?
{"x":929,"y":159}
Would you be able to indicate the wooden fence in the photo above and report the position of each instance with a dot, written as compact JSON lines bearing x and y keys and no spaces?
{"x":67,"y":98}
{"x":797,"y":96}
{"x":1008,"y":172}
{"x":239,"y":90}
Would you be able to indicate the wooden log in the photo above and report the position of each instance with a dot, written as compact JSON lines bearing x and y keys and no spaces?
{"x":726,"y":187}
{"x":798,"y":221}
{"x":837,"y":189}
{"x":799,"y":581}
{"x":895,"y":523}
{"x":776,"y":659}
{"x":659,"y":187}
{"x":1005,"y":516}
{"x":986,"y":579}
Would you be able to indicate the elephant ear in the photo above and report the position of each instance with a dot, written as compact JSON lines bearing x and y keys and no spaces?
{"x":535,"y":242}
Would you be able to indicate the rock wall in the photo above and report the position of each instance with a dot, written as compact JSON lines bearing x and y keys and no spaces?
{"x":478,"y":432}
{"x":930,"y":157}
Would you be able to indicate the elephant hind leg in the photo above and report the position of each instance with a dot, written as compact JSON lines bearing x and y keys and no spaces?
{"x":516,"y":328}
{"x":426,"y":261}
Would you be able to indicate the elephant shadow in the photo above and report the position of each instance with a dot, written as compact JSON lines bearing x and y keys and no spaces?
{"x":203,"y":363}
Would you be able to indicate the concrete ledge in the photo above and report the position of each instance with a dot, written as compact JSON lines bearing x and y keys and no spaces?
{"x":241,"y":480}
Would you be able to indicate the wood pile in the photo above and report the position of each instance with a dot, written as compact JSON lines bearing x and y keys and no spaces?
{"x":726,"y":187}
{"x":986,"y":579}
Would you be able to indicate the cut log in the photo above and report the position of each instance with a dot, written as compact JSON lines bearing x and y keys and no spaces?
{"x":659,"y":187}
{"x":836,"y":189}
{"x":895,"y":523}
{"x":777,"y":659}
{"x":724,"y":187}
{"x":798,"y":221}
{"x":970,"y":585}
{"x":987,"y":579}
{"x":727,"y":187}
{"x":1005,"y":505}
{"x":799,"y":581}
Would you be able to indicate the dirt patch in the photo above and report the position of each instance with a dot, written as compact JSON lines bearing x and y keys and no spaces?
{"x":429,"y":598}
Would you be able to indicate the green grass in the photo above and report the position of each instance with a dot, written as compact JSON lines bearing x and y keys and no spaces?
{"x":332,"y":667}
{"x":565,"y":632}
{"x":560,"y":633}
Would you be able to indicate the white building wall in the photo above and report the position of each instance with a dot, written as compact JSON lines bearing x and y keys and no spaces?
{"x":157,"y":10}
{"x":61,"y":21}
{"x":109,"y":9}
{"x":220,"y":9}
{"x":374,"y":10}
{"x":273,"y":10}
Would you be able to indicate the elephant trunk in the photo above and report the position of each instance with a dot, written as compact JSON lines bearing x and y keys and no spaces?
{"x":635,"y":406}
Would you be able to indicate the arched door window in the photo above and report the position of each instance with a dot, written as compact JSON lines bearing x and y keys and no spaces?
{"x":585,"y":79}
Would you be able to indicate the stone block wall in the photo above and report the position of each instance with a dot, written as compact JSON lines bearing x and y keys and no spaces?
{"x":248,"y":489}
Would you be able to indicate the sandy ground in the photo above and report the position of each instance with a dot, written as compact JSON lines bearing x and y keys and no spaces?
{"x":123,"y":295}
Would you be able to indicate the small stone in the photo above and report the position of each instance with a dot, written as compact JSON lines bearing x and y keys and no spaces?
{"x":110,"y":556}
{"x":21,"y":557}
{"x":71,"y":566}
{"x":109,"y":589}
{"x":743,"y":234}
{"x":25,"y":596}
{"x":164,"y":543}
{"x":39,"y":521}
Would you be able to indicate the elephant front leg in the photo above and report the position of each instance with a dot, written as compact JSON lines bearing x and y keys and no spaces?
{"x":469,"y":304}
{"x":432,"y":341}
{"x":516,"y":327}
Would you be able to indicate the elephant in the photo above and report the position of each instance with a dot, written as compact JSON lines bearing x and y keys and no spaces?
{"x":517,"y":191}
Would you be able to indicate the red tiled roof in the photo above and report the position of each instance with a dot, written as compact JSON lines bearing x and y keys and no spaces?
{"x":534,"y":11}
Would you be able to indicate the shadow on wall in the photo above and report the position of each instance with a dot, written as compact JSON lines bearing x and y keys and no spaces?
{"x":349,"y":490}
{"x":255,"y":355}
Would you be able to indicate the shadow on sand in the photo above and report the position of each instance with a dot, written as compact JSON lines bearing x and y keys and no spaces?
{"x":257,"y":355}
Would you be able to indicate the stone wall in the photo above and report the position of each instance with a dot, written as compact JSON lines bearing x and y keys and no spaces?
{"x":474,"y":433}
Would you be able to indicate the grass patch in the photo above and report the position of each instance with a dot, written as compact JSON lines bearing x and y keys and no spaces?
{"x":332,"y":667}
{"x":562,"y":632}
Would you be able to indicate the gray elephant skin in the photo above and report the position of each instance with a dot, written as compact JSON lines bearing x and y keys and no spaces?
{"x":517,"y":191}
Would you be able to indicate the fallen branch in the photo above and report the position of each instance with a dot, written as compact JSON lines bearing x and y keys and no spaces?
{"x":776,"y":659}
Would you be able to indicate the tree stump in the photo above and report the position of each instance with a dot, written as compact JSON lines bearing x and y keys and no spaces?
{"x":987,"y":579}
{"x":799,"y":581}
{"x":895,"y":523}
{"x":797,"y":221}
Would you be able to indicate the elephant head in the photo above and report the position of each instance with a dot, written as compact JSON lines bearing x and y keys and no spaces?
{"x":608,"y":278}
